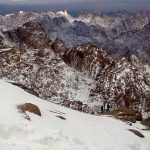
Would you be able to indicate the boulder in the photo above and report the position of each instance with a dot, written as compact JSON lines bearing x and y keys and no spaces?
{"x":126,"y":114}
{"x":30,"y":108}
{"x":146,"y":122}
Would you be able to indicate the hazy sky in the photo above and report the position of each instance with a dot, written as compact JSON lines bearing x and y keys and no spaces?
{"x":72,"y":1}
{"x":74,"y":5}
{"x":68,"y":1}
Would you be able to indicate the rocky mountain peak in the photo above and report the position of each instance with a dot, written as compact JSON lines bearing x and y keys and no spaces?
{"x":31,"y":34}
{"x":59,"y":47}
{"x":86,"y":58}
{"x":64,"y":12}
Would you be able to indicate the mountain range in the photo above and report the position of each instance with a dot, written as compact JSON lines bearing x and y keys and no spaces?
{"x":81,"y":62}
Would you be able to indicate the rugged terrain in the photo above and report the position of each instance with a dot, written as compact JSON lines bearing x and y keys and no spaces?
{"x":83,"y":62}
{"x":118,"y":33}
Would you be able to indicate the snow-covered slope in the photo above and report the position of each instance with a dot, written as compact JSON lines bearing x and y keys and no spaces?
{"x":79,"y":131}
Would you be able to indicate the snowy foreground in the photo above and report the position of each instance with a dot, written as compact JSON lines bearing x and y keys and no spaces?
{"x":78,"y":132}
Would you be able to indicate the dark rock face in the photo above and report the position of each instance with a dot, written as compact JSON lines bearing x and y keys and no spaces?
{"x":1,"y":41}
{"x":59,"y":47}
{"x":31,"y":91}
{"x":78,"y":105}
{"x":126,"y":83}
{"x":88,"y":58}
{"x":31,"y":34}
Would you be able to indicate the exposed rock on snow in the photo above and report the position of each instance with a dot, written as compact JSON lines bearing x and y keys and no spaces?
{"x":126,"y":114}
{"x":146,"y":122}
{"x":137,"y":133}
{"x":30,"y":108}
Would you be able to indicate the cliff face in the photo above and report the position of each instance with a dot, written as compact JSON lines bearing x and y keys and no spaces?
{"x":121,"y":82}
{"x":90,"y":59}
{"x":126,"y":83}
{"x":31,"y":34}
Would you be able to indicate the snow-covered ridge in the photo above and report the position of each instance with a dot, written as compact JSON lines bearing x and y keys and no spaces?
{"x":65,"y":13}
{"x":79,"y":131}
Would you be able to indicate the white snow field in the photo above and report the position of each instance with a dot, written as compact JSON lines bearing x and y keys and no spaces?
{"x":78,"y":132}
